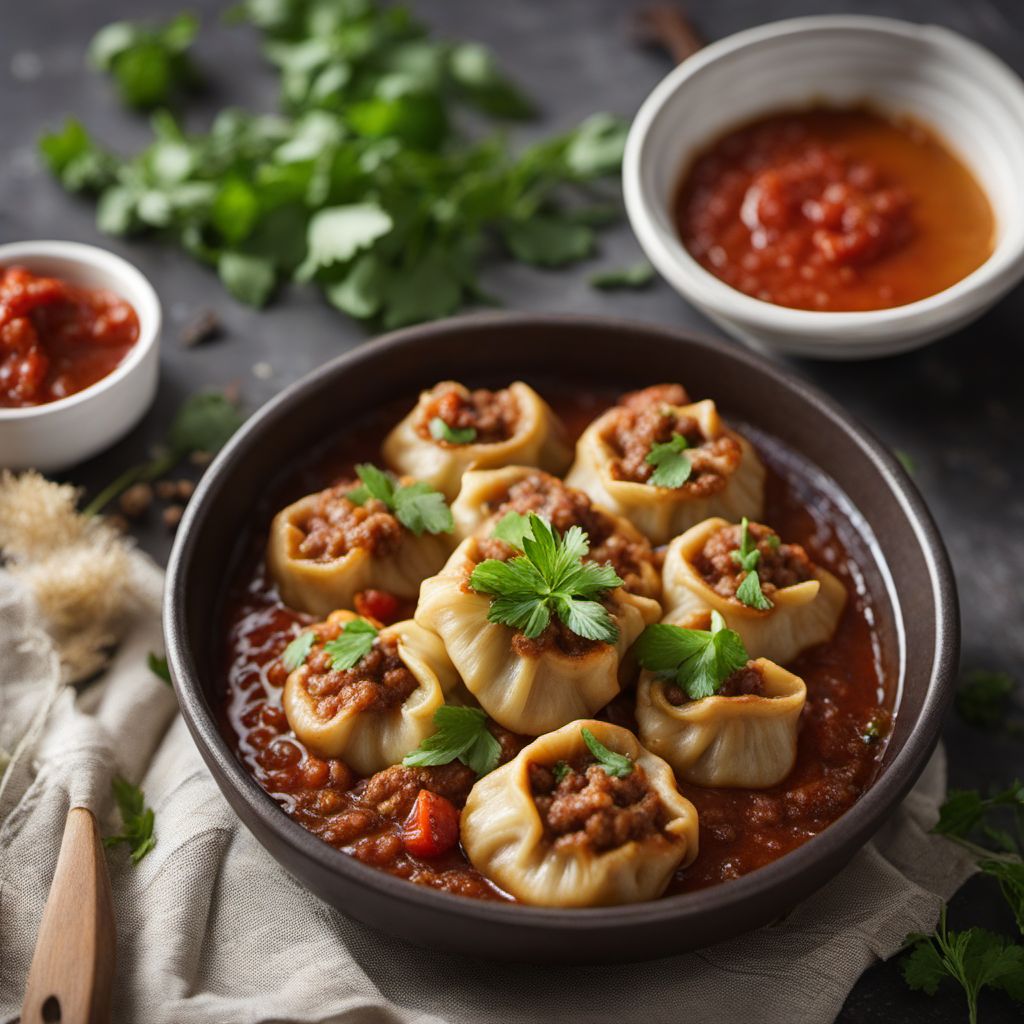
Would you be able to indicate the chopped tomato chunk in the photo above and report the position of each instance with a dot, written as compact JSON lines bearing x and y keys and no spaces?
{"x":432,"y":828}
{"x":377,"y":604}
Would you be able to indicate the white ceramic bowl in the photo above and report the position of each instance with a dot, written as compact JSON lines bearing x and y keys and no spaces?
{"x":973,"y":100}
{"x":56,"y":435}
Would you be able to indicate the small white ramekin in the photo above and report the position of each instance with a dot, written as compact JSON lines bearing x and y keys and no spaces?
{"x":57,"y":435}
{"x":972,"y":100}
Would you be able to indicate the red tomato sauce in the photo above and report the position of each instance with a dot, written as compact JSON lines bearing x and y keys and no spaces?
{"x":843,"y":733}
{"x":834,"y":209}
{"x":57,"y":338}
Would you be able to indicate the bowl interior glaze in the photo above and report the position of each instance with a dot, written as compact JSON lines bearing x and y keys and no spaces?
{"x":907,"y":573}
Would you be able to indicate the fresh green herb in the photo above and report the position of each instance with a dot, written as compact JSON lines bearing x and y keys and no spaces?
{"x":698,"y":661}
{"x":550,"y":577}
{"x":672,"y":467}
{"x":158,"y":666}
{"x":512,"y":528}
{"x":640,"y":275}
{"x":417,"y":506}
{"x":975,"y":959}
{"x":966,"y":812}
{"x":746,"y":556}
{"x":441,"y":431}
{"x":137,"y":820}
{"x":560,"y":769}
{"x":614,"y":764}
{"x":364,"y":185}
{"x":203,"y":423}
{"x":751,"y":594}
{"x":296,"y":653}
{"x":352,"y":644}
{"x":906,"y":460}
{"x":148,"y":64}
{"x":462,"y":735}
{"x":983,"y":698}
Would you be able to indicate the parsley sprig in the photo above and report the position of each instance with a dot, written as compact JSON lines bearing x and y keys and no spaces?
{"x":617,"y":765}
{"x":137,"y":820}
{"x":441,"y":430}
{"x":672,"y":465}
{"x":462,"y":735}
{"x":698,"y":661}
{"x":158,"y":666}
{"x":549,"y":578}
{"x":296,"y":653}
{"x":346,"y":650}
{"x":747,"y":556}
{"x":418,"y":507}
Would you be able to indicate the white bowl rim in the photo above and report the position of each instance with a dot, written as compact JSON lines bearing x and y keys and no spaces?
{"x":729,"y":302}
{"x":144,"y":301}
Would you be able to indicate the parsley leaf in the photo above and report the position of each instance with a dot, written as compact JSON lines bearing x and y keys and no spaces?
{"x":698,"y":661}
{"x":965,"y":810}
{"x":417,"y":506}
{"x":512,"y":528}
{"x":158,"y":666}
{"x":441,"y":431}
{"x":1010,"y":876}
{"x":560,"y":769}
{"x":137,"y":820}
{"x":746,"y":556}
{"x":614,"y":764}
{"x":296,"y":653}
{"x":353,"y":643}
{"x":462,"y":735}
{"x":550,"y":577}
{"x":983,"y":698}
{"x":672,"y":467}
{"x":640,"y":275}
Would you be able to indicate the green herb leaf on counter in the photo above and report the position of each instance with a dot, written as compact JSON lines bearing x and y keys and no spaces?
{"x":550,"y":577}
{"x":364,"y":186}
{"x":698,"y":661}
{"x":158,"y":666}
{"x":353,"y":643}
{"x":441,"y":431}
{"x":137,"y":820}
{"x":672,"y":465}
{"x":983,"y":698}
{"x":149,"y":65}
{"x":462,"y":735}
{"x":617,"y":765}
{"x":639,"y":275}
{"x":417,"y":506}
{"x":296,"y":653}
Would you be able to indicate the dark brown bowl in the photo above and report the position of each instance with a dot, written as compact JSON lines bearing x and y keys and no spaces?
{"x":908,"y":573}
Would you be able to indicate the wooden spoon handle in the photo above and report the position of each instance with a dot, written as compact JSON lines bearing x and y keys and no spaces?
{"x":72,"y":971}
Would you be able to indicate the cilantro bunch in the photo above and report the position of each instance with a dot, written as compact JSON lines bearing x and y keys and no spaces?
{"x":549,"y":578}
{"x":365,"y":186}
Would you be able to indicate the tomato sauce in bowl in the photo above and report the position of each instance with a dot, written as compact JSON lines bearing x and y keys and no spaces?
{"x":834,"y":209}
{"x":57,"y":338}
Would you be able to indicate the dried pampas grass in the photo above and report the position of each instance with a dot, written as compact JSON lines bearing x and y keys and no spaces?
{"x":78,"y":568}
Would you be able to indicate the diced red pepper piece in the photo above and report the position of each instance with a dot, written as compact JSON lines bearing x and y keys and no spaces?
{"x":377,"y":604}
{"x":432,"y":828}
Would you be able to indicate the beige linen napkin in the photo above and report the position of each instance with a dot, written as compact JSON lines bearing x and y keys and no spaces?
{"x":212,"y":931}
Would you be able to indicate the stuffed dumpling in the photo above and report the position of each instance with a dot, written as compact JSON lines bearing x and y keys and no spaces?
{"x":666,"y":463}
{"x":791,"y":605}
{"x":327,"y":547}
{"x":581,"y":817}
{"x":533,"y":661}
{"x":452,"y":429}
{"x":744,"y":734}
{"x":364,"y":695}
{"x":489,"y":494}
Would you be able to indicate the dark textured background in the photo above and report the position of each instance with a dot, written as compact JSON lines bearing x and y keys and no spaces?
{"x":955,"y":406}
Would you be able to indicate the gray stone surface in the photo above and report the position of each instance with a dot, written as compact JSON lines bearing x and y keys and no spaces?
{"x":955,"y":407}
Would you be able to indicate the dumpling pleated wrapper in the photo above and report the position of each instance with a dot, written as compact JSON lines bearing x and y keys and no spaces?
{"x":503,"y":835}
{"x":664,"y":512}
{"x":746,"y":741}
{"x":802,"y":615}
{"x":484,"y":489}
{"x":370,"y":741}
{"x":538,"y":439}
{"x":527,"y":694}
{"x":318,"y":586}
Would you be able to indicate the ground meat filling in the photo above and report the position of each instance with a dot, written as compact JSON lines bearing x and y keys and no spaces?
{"x":378,"y":683}
{"x":643,"y":419}
{"x":562,"y":506}
{"x":556,"y":637}
{"x":492,"y":414}
{"x":393,"y":791}
{"x":334,"y":526}
{"x":780,"y":565}
{"x":590,"y":808}
{"x":745,"y":682}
